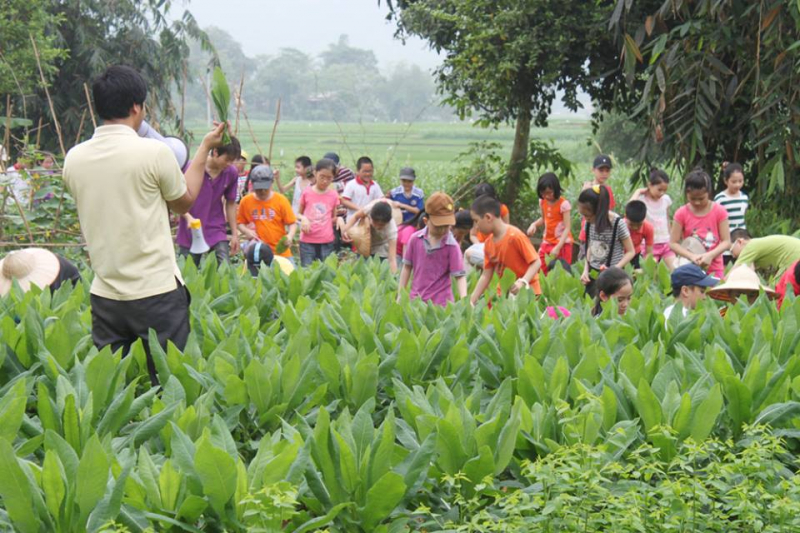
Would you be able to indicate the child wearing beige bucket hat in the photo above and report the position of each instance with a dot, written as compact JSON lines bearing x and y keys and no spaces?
{"x":35,"y":266}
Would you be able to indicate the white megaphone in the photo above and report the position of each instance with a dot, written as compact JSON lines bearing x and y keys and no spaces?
{"x":199,"y":244}
{"x":175,"y":144}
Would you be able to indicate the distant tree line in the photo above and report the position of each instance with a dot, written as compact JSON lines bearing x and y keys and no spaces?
{"x":343,"y":83}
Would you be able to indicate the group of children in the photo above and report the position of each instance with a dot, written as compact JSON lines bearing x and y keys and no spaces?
{"x":431,"y":243}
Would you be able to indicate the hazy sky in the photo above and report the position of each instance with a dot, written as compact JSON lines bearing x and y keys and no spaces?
{"x":264,"y":26}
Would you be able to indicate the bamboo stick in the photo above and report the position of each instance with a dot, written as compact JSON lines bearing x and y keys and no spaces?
{"x":274,"y":130}
{"x":89,"y":103}
{"x":10,"y":191}
{"x":7,"y":136}
{"x":43,"y":244}
{"x":80,"y":128}
{"x":49,"y":100}
{"x":239,"y":105}
{"x":39,"y":133}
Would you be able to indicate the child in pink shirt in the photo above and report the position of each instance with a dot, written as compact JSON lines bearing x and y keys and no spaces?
{"x":406,"y":229}
{"x":317,"y":214}
{"x":705,"y":219}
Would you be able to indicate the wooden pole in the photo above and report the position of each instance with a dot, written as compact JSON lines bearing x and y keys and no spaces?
{"x":239,"y":105}
{"x":21,"y":213}
{"x":183,"y":104}
{"x":80,"y":128}
{"x":253,"y":135}
{"x":39,"y":133}
{"x":274,"y":130}
{"x":49,"y":100}
{"x":89,"y":103}
{"x":7,"y":136}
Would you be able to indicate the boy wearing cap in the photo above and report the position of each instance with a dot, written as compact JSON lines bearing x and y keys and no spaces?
{"x":689,"y":284}
{"x":407,"y":197}
{"x":362,"y":190}
{"x":433,"y":256}
{"x":507,"y":247}
{"x":215,"y":206}
{"x":270,"y":211}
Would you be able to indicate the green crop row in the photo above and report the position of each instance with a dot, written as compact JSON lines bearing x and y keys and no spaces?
{"x":314,"y":401}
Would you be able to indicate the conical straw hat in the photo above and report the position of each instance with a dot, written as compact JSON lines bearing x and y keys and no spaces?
{"x":741,"y":280}
{"x":34,"y":266}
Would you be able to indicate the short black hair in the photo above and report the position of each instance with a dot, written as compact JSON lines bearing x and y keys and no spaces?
{"x":116,"y":91}
{"x":304,"y":160}
{"x":797,"y":271}
{"x":486,"y":204}
{"x":381,"y":212}
{"x":363,"y":160}
{"x":549,"y":181}
{"x":464,"y":220}
{"x":233,"y":150}
{"x":485,"y":189}
{"x":740,"y":233}
{"x":636,"y":211}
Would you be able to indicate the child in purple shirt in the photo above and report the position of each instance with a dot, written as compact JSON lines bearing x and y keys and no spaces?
{"x":433,"y":256}
{"x":220,"y":182}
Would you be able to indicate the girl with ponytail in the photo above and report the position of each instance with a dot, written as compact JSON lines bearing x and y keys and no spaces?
{"x":608,"y":240}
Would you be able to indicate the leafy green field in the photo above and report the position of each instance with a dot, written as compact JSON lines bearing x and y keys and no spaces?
{"x":315,"y":402}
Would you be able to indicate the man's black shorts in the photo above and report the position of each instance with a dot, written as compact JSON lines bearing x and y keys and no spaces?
{"x":119,"y":324}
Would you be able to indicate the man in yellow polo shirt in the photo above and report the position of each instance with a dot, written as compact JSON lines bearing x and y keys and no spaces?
{"x":123,"y":186}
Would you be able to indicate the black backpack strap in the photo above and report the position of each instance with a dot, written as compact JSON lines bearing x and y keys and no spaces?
{"x":587,"y":227}
{"x":613,"y":241}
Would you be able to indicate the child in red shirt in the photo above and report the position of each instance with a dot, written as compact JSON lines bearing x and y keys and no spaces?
{"x":641,"y":231}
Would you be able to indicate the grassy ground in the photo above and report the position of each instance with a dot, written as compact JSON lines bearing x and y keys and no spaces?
{"x":425,"y":146}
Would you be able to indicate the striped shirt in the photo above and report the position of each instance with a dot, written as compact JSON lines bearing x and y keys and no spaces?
{"x":735,"y":206}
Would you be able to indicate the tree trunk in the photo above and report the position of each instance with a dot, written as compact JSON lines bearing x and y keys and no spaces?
{"x":519,"y":153}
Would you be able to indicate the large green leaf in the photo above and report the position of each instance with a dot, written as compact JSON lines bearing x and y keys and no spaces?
{"x":15,"y":490}
{"x":382,"y":498}
{"x":706,"y":415}
{"x":92,"y":477}
{"x":648,"y":405}
{"x":12,"y":409}
{"x":217,"y":471}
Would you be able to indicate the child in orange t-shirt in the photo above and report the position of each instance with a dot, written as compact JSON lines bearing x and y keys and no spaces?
{"x":508,"y":247}
{"x":270,"y":211}
{"x":474,"y":255}
{"x":557,"y":240}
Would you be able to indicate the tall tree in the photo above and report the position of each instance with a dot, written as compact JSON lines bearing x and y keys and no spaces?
{"x":716,"y":81}
{"x":21,"y":20}
{"x":98,"y":34}
{"x":505,"y":59}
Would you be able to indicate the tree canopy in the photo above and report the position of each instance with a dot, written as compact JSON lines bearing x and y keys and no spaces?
{"x":504,"y":60}
{"x":717,"y":81}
